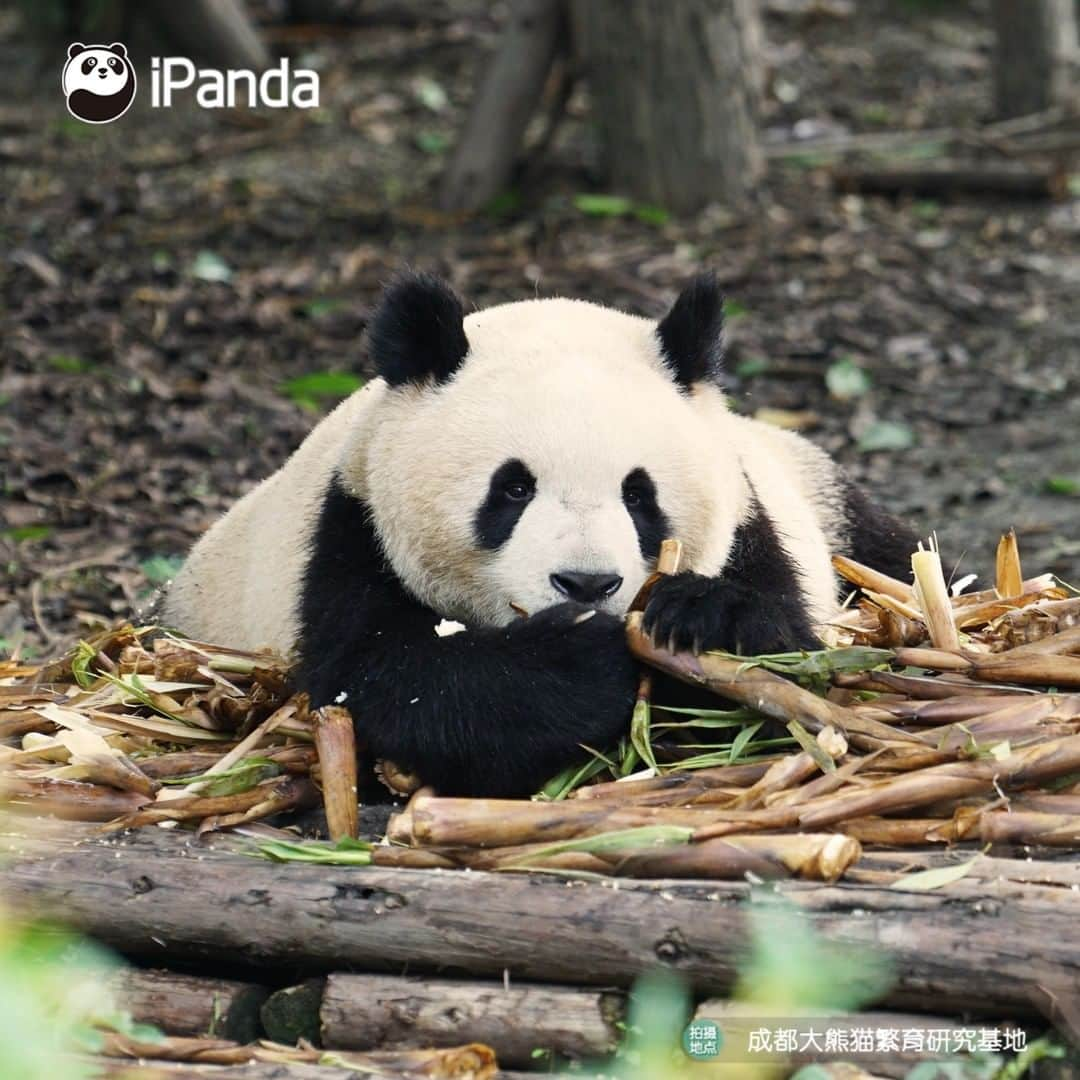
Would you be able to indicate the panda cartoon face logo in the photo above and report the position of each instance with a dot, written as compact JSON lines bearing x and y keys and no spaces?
{"x":98,"y":81}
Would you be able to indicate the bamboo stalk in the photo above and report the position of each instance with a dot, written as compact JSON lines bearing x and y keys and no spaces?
{"x":1025,"y":768}
{"x":905,"y":832}
{"x":500,"y":823}
{"x":821,"y":857}
{"x":667,"y":562}
{"x":1030,"y":827}
{"x":933,"y":598}
{"x":335,"y":741}
{"x":770,"y":694}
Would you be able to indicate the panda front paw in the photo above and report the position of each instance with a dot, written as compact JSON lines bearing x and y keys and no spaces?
{"x":690,"y":611}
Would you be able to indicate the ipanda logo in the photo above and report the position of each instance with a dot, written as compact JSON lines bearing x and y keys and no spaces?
{"x":98,"y":81}
{"x":99,"y":84}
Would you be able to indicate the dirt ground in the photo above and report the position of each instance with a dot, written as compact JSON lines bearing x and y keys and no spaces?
{"x":164,"y":278}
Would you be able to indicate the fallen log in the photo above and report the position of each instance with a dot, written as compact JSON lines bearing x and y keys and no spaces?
{"x":1005,"y":180}
{"x":368,"y":1012}
{"x":139,"y":898}
{"x":114,"y":1069}
{"x":190,"y":1004}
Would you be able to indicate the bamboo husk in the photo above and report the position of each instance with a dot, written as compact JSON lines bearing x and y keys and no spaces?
{"x":823,"y":784}
{"x":783,"y":774}
{"x":287,"y":792}
{"x":973,"y":616}
{"x":69,"y":800}
{"x":335,"y":740}
{"x":1025,"y":625}
{"x":866,"y":578}
{"x":473,"y":1060}
{"x":1062,"y":642}
{"x":1009,"y":579}
{"x":677,"y":784}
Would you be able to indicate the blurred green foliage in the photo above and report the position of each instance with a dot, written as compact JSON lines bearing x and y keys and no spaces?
{"x":54,"y":1001}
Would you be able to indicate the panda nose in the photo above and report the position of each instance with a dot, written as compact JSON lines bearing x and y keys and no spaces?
{"x":586,"y":588}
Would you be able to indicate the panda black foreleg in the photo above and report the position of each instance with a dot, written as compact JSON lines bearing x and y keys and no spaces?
{"x":755,"y":606}
{"x":489,"y":712}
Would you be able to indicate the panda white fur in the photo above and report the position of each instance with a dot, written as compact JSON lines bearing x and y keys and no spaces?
{"x":530,"y":456}
{"x":98,"y":81}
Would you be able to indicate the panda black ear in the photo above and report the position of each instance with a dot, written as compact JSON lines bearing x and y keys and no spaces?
{"x":75,"y":48}
{"x":692,"y":333}
{"x":119,"y":49}
{"x":418,"y":331}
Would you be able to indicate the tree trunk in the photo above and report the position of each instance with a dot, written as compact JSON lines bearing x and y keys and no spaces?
{"x":485,"y":155}
{"x":1035,"y":54}
{"x":218,"y":31}
{"x":675,"y":97}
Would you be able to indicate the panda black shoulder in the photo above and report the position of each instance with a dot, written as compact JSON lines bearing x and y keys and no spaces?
{"x":347,"y":590}
{"x":875,"y":537}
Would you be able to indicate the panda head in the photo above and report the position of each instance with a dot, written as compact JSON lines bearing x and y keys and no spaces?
{"x":540,"y":451}
{"x":98,"y":81}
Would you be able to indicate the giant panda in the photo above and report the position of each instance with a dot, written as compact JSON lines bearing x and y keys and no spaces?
{"x":515,"y":471}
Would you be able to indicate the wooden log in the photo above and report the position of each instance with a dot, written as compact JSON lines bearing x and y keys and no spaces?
{"x":366,"y":1012}
{"x":485,"y":155}
{"x":1005,"y":180}
{"x":190,"y":1004}
{"x":206,"y":904}
{"x":114,"y":1069}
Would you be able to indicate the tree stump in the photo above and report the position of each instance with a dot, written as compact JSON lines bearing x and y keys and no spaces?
{"x":675,"y":92}
{"x":1036,"y":54}
{"x":485,"y":155}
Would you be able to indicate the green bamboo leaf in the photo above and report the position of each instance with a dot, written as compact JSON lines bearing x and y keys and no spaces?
{"x":741,"y":741}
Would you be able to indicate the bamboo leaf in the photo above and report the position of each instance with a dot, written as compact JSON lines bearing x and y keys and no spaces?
{"x":640,"y":737}
{"x":346,"y":852}
{"x":940,"y":876}
{"x":741,"y":741}
{"x":616,"y":840}
{"x":807,"y":741}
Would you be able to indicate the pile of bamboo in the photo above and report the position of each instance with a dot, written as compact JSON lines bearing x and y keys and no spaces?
{"x":930,"y":720}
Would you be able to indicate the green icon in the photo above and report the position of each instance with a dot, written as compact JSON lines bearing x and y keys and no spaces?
{"x":702,"y":1039}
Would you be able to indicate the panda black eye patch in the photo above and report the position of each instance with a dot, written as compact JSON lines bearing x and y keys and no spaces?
{"x":642,"y":504}
{"x":510,"y":490}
